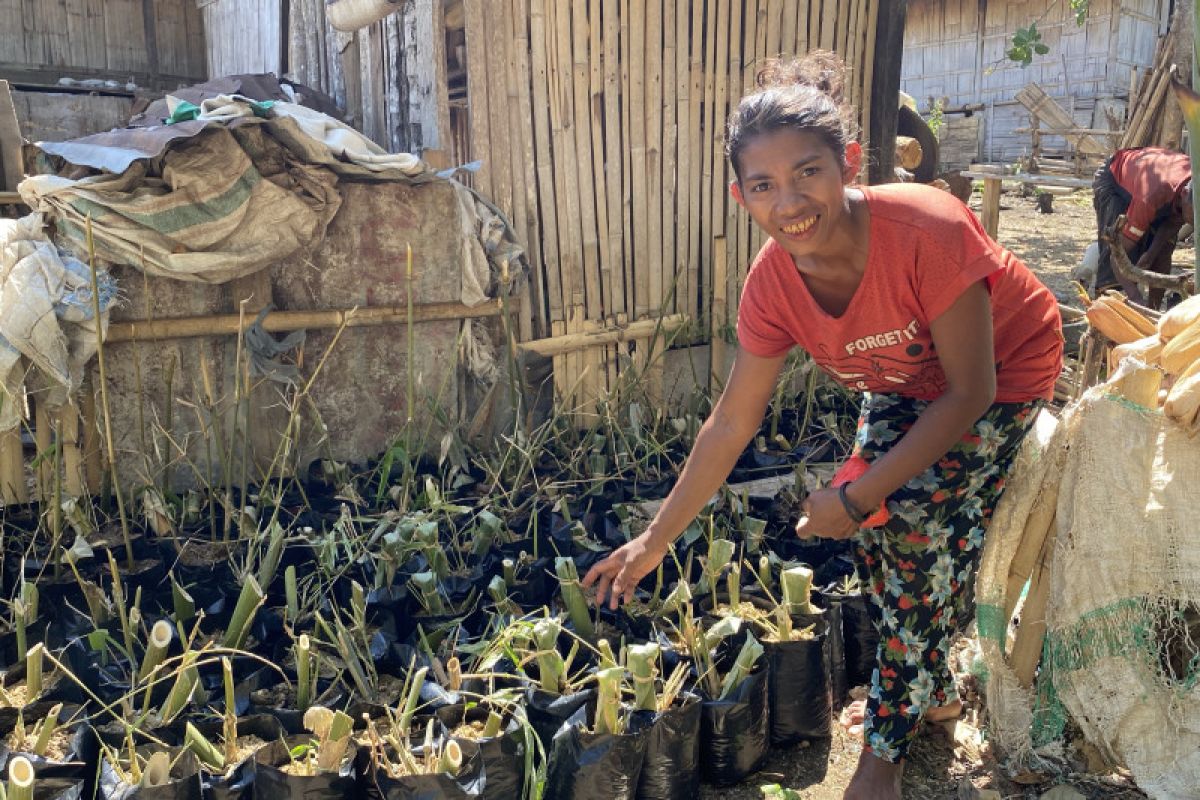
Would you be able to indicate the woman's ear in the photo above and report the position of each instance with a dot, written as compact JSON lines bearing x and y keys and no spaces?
{"x":853,"y":162}
{"x":735,"y":189}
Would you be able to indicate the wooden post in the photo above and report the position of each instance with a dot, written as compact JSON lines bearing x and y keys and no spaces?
{"x":73,"y":477}
{"x":990,"y":217}
{"x":43,"y":439}
{"x":13,"y":490}
{"x":717,"y":354}
{"x":885,"y":90}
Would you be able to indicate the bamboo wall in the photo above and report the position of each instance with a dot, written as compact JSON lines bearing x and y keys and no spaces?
{"x":600,"y":126}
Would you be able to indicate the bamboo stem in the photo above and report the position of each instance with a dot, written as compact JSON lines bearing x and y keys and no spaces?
{"x":20,"y":779}
{"x":572,"y":594}
{"x":291,"y":593}
{"x":451,"y":759}
{"x":608,"y":700}
{"x":47,"y":729}
{"x":643,"y":660}
{"x":208,"y":753}
{"x":304,"y":673}
{"x":156,"y":648}
{"x":33,"y":671}
{"x":230,"y":728}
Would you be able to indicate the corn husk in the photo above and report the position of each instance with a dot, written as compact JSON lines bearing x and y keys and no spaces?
{"x":1172,"y":323}
{"x":1102,"y":316}
{"x":1147,"y":350}
{"x":1183,"y":349}
{"x":1183,"y":400}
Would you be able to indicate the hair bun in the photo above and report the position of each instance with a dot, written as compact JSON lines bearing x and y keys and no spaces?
{"x":821,"y":69}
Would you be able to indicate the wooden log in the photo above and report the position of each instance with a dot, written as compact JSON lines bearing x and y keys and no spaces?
{"x":13,"y":488}
{"x":908,"y":152}
{"x":572,"y":342}
{"x":1126,"y":269}
{"x":282,"y":321}
{"x":885,"y":85}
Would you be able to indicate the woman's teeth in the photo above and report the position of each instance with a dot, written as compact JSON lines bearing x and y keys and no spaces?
{"x":799,"y":227}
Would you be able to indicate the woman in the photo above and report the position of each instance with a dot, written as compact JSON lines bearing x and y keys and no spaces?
{"x":895,"y":291}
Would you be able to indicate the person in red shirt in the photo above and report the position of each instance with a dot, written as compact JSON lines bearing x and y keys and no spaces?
{"x":898,"y":292}
{"x":1152,"y":187}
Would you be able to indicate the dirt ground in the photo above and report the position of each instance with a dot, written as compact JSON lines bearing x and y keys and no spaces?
{"x":937,"y":769}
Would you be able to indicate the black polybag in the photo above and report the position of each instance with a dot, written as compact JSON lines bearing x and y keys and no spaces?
{"x":860,"y":640}
{"x":272,"y":783}
{"x":184,"y":783}
{"x":835,"y":654}
{"x":469,"y":783}
{"x":735,"y":732}
{"x":547,"y":712}
{"x":237,"y":783}
{"x":75,"y":761}
{"x":503,"y":756}
{"x":59,"y":788}
{"x":801,"y":707}
{"x":590,"y":766}
{"x":671,"y":768}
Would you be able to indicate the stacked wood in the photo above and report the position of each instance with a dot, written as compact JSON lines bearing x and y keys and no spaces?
{"x":1148,"y":104}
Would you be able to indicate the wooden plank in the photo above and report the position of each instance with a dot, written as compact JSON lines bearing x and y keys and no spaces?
{"x":868,"y":78}
{"x":717,"y":348}
{"x":12,"y":35}
{"x":842,"y":44}
{"x":637,"y":154}
{"x":743,"y":38}
{"x":528,"y":171}
{"x":682,"y":151}
{"x":93,"y":458}
{"x":813,"y":37}
{"x":13,"y":489}
{"x":85,"y":31}
{"x":694,"y":159}
{"x":853,"y":48}
{"x":670,"y":154}
{"x":74,"y":484}
{"x":707,"y":216}
{"x":829,"y":25}
{"x":615,"y":300}
{"x":477,"y":94}
{"x":654,"y":146}
{"x":43,"y":439}
{"x":497,"y":39}
{"x":11,"y":164}
{"x":774,"y":36}
{"x":549,"y":241}
{"x":787,"y":27}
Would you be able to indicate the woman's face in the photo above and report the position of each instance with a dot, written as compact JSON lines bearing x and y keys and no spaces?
{"x":793,"y":186}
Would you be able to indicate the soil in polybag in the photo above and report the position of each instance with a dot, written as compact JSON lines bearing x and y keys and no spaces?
{"x":470,"y":781}
{"x":271,"y":782}
{"x":671,"y":768}
{"x":590,"y":766}
{"x":237,"y":782}
{"x":800,"y":702}
{"x":184,"y":783}
{"x":735,"y":732}
{"x":547,"y":712}
{"x":73,"y":762}
{"x":503,"y":756}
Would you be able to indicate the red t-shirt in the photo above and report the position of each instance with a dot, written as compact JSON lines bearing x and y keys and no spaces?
{"x":1153,"y":177}
{"x":925,"y":249}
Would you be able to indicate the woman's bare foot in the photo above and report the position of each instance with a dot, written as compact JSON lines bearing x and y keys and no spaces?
{"x":852,"y":715}
{"x":875,"y":779}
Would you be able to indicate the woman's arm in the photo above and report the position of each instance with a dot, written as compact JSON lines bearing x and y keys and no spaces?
{"x":962,"y":337}
{"x":721,"y":440}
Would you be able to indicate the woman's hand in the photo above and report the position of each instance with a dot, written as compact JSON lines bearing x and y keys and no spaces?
{"x":825,"y":516}
{"x":619,"y":573}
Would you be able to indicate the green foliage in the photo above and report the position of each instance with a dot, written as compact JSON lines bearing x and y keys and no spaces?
{"x":1025,"y":43}
{"x":935,"y":118}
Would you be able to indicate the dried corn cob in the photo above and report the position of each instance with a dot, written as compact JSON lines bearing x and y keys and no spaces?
{"x":1183,"y":401}
{"x":1146,"y":350}
{"x":1106,"y":319}
{"x":1179,"y":318}
{"x":1183,"y":349}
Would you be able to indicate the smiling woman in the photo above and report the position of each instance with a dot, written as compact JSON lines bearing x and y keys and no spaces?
{"x":895,"y":291}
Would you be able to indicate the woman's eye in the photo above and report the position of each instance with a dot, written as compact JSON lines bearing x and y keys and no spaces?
{"x":760,"y":187}
{"x":808,"y":172}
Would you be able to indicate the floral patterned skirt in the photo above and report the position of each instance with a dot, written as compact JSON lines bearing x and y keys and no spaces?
{"x":919,"y":568}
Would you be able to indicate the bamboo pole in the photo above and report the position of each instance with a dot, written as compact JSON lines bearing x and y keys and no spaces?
{"x":787,"y":28}
{"x":868,"y":75}
{"x":73,"y":477}
{"x":477,"y":94}
{"x":695,"y":160}
{"x":93,"y":457}
{"x":544,"y":164}
{"x":613,"y":157}
{"x":283,"y":321}
{"x":654,"y":146}
{"x":533,"y":313}
{"x":743,"y":37}
{"x":574,"y":341}
{"x":43,"y":440}
{"x":668,"y":253}
{"x":707,"y":215}
{"x":637,"y":155}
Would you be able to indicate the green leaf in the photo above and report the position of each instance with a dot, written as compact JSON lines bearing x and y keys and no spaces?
{"x":300,"y":751}
{"x":1041,"y":49}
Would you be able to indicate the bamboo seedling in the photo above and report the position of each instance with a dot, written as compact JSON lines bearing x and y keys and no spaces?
{"x":720,"y":553}
{"x":161,"y":634}
{"x":743,"y":665}
{"x":33,"y":672}
{"x":332,"y":730}
{"x":306,"y":672}
{"x":182,"y":689}
{"x":208,"y":753}
{"x":608,"y":700}
{"x":269,"y":564}
{"x":291,"y":592}
{"x":230,"y":726}
{"x":24,"y":612}
{"x":797,"y":591}
{"x":182,"y":603}
{"x":573,"y":598}
{"x":643,"y":667}
{"x":428,"y":593}
{"x":552,"y":668}
{"x":20,"y":779}
{"x":498,"y":589}
{"x":249,"y":599}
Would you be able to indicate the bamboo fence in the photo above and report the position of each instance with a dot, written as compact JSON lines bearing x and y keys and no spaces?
{"x":600,"y":125}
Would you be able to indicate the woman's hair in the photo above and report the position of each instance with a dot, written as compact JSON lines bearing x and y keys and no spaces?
{"x":803,"y":94}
